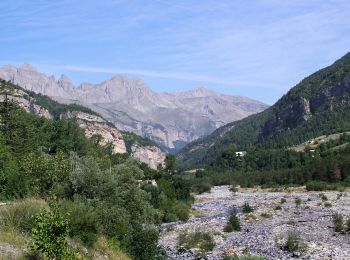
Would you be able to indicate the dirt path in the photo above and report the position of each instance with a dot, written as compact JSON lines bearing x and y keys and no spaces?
{"x":312,"y":221}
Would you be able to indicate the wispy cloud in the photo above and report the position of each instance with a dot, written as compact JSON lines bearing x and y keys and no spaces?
{"x":146,"y":73}
{"x":258,"y":47}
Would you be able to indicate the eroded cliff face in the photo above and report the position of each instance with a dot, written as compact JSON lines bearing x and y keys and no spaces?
{"x":302,"y":110}
{"x":150,"y":155}
{"x":27,"y":103}
{"x":94,"y":127}
{"x":97,"y":127}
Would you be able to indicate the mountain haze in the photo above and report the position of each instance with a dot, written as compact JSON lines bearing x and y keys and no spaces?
{"x":170,"y":119}
{"x":319,"y":104}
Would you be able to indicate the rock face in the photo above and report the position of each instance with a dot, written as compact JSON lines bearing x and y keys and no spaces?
{"x":94,"y":126}
{"x":335,"y":96}
{"x":97,"y":127}
{"x":150,"y":155}
{"x":27,"y":103}
{"x":170,"y":119}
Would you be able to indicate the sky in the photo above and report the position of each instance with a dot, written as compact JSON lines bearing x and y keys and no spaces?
{"x":255,"y":48}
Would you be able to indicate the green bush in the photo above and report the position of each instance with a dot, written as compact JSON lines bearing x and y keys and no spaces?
{"x":283,"y":200}
{"x":233,"y":223}
{"x":19,"y":214}
{"x":142,"y":243}
{"x":347,"y":225}
{"x":297,"y":202}
{"x":202,"y":187}
{"x":182,"y":211}
{"x":170,"y":217}
{"x":198,"y":239}
{"x":293,"y":243}
{"x":83,"y":222}
{"x":328,"y":205}
{"x":323,"y":197}
{"x":338,"y":222}
{"x":247,"y":208}
{"x":50,"y":232}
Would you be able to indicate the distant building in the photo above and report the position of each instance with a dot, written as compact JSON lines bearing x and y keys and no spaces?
{"x":241,"y":154}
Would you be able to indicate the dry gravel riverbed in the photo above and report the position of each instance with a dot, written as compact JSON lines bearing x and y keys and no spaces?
{"x":264,"y":229}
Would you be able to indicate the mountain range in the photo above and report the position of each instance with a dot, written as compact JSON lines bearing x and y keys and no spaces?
{"x":169,"y":119}
{"x":318,"y":105}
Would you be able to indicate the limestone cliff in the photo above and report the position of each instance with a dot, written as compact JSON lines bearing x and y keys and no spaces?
{"x":96,"y":126}
{"x":150,"y":155}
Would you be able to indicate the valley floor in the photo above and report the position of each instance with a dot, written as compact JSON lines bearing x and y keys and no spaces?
{"x":265,"y":229}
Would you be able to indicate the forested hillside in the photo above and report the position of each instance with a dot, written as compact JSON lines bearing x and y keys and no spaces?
{"x":59,"y":186}
{"x":318,"y":105}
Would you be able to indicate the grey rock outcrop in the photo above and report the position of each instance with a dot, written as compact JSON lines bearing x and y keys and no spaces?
{"x":170,"y":119}
{"x":150,"y":155}
{"x":27,"y":103}
{"x":95,"y":126}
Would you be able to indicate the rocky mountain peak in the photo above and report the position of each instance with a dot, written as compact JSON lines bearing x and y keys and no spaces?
{"x":28,"y":67}
{"x":201,"y":92}
{"x":170,"y":119}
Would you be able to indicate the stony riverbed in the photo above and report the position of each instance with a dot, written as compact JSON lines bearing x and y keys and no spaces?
{"x":263,"y":230}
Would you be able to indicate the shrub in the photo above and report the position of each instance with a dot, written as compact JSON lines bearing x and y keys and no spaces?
{"x":247,"y":208}
{"x":83,"y":228}
{"x":170,"y":217}
{"x":19,"y":215}
{"x":316,"y":186}
{"x":347,"y":225}
{"x":297,"y":202}
{"x":198,"y":239}
{"x":328,"y":205}
{"x":233,"y":187}
{"x":323,"y":197}
{"x":182,"y":211}
{"x":50,"y":232}
{"x":283,"y":200}
{"x":265,"y":215}
{"x":202,"y":187}
{"x":233,"y":223}
{"x":142,"y":244}
{"x":338,"y":222}
{"x":293,"y":243}
{"x":278,"y":207}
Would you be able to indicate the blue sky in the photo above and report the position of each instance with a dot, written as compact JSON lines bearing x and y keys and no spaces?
{"x":255,"y":48}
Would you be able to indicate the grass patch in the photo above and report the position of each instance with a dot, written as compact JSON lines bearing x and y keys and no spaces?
{"x":338,"y":222}
{"x":198,"y":239}
{"x":103,"y":247}
{"x":13,"y":237}
{"x":199,"y":213}
{"x":265,"y":215}
{"x":19,"y":215}
{"x":293,"y":243}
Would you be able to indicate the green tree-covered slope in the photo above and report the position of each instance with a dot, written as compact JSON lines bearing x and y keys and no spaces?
{"x":319,"y":104}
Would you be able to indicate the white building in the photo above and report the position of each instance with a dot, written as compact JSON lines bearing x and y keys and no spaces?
{"x":241,"y":153}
